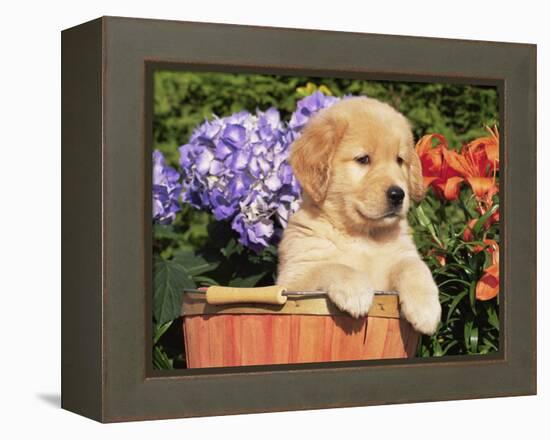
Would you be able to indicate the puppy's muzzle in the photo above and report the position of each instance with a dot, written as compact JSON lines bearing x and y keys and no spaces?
{"x":395,"y":196}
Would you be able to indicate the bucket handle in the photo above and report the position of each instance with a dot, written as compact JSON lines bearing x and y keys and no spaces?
{"x":277,"y":295}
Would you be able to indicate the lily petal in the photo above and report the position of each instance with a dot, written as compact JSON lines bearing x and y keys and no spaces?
{"x":482,"y":186}
{"x":457,"y":162}
{"x":428,"y":180}
{"x":452,"y":187}
{"x":488,"y":285}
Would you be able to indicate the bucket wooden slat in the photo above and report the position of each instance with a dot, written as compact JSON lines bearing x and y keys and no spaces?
{"x":225,"y":336}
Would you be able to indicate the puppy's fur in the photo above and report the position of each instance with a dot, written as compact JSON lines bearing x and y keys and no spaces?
{"x":348,"y":238}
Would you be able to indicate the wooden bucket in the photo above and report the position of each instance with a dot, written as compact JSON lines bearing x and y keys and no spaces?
{"x":309,"y":329}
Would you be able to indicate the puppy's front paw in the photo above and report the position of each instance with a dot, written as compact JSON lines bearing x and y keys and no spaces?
{"x":422,"y":311}
{"x":354,"y":298}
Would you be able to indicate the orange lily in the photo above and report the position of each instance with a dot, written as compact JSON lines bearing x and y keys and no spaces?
{"x":488,"y":285}
{"x":436,"y":171}
{"x":478,"y":162}
{"x":490,"y":145}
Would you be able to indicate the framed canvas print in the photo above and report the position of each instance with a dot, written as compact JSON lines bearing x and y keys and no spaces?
{"x":263,"y":219}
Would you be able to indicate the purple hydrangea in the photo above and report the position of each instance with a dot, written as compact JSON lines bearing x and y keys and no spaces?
{"x":307,"y":107}
{"x":166,"y":190}
{"x":237,"y":168}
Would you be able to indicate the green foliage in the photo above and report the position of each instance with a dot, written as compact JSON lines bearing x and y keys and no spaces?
{"x":183,"y":100}
{"x":161,"y":361}
{"x":196,"y":250}
{"x":170,"y":279}
{"x":468,"y":326}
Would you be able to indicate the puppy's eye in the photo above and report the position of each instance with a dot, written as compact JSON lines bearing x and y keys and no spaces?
{"x":400,"y":161}
{"x":363,"y":160}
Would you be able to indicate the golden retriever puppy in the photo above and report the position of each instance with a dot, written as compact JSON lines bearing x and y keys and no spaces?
{"x":358,"y":169}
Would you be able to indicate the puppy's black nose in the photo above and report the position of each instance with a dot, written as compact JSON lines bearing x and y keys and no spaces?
{"x":395,"y":195}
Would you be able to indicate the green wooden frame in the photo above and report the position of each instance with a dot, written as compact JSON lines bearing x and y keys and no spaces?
{"x":106,"y":221}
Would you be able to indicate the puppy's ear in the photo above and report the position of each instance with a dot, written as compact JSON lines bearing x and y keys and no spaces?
{"x":311,"y":154}
{"x":416,"y":181}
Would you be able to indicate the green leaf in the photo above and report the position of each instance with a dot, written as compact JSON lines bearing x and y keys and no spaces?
{"x":164,"y":232}
{"x":422,"y":217}
{"x":437,"y":350}
{"x":489,"y":344}
{"x":472,"y":296}
{"x":483,"y":219}
{"x":471,"y":336}
{"x":492,"y":318}
{"x":170,"y":279}
{"x":453,"y":281}
{"x":455,"y":302}
{"x":249,"y":281}
{"x":465,"y":268}
{"x":231,"y":248}
{"x":160,"y":330}
{"x":448,"y":347}
{"x":161,"y":361}
{"x":195,"y":264}
{"x":467,"y":333}
{"x":474,"y":339}
{"x":207,"y":281}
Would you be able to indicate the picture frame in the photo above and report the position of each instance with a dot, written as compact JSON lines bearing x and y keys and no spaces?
{"x":107,"y":371}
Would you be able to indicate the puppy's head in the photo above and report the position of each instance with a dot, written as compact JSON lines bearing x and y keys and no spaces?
{"x":356,"y":160}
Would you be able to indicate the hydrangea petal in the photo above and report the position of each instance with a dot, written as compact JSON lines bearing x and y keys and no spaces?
{"x":166,"y":190}
{"x":273,"y":182}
